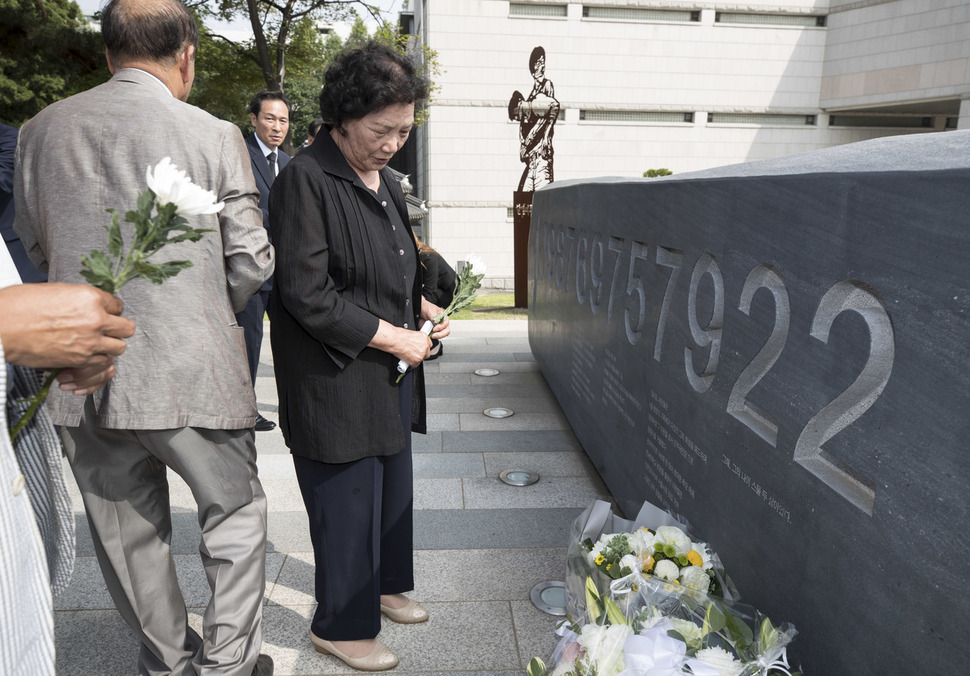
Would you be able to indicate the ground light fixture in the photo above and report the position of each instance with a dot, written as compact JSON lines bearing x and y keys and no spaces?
{"x":498,"y":412}
{"x":550,"y":598}
{"x":518,"y":477}
{"x":487,"y":373}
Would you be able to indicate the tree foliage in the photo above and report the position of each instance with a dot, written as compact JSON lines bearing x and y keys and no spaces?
{"x":47,"y":52}
{"x":288,"y":52}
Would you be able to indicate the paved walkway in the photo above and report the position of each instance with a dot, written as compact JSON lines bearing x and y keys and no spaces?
{"x":480,"y":546}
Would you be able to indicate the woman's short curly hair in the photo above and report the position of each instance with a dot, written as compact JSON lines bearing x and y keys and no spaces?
{"x":369,"y":78}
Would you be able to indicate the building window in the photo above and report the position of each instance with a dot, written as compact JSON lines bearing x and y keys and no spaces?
{"x":542,"y":11}
{"x":770,"y":19}
{"x":951,"y":122}
{"x":762,"y":119}
{"x":638,"y":14}
{"x":898,"y":121}
{"x":634,"y":116}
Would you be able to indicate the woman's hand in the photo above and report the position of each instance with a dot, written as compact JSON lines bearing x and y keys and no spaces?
{"x":428,"y":312}
{"x":411,"y":346}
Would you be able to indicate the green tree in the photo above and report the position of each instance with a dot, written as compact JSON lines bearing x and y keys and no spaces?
{"x":47,"y":52}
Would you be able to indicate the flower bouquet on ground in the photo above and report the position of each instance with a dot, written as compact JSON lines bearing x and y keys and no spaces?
{"x":605,"y":548}
{"x":665,"y":632}
{"x":466,"y":288}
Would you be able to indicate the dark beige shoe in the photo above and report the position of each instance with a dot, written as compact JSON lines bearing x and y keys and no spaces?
{"x":379,"y":659}
{"x":412,"y":613}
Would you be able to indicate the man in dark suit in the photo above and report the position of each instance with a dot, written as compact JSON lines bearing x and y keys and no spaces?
{"x":8,"y":145}
{"x":269,"y":113}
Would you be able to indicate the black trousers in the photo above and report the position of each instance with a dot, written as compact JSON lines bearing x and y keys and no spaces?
{"x":362,"y":534}
{"x":251,"y":320}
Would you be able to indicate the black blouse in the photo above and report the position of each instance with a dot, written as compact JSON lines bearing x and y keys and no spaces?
{"x":339,"y":269}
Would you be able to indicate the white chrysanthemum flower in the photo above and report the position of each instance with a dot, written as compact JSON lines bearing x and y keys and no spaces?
{"x":691,"y":632}
{"x":173,"y":186}
{"x":667,"y":570}
{"x":671,"y":535}
{"x":476,"y":264}
{"x":604,"y":647}
{"x":719,"y":658}
{"x":641,"y":541}
{"x":696,"y":578}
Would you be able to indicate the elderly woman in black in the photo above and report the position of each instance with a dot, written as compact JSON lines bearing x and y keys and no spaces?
{"x":345,"y":308}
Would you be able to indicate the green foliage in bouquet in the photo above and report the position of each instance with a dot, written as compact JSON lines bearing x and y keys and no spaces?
{"x":469,"y":282}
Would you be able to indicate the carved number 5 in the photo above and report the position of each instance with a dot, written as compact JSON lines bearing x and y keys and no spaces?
{"x":856,"y":399}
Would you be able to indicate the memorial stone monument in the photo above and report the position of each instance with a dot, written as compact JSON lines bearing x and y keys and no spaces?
{"x":780,"y":352}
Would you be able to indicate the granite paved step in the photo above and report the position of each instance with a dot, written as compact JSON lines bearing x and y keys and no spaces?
{"x":480,"y":546}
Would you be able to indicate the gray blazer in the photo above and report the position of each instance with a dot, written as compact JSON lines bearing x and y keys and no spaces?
{"x":186,"y":364}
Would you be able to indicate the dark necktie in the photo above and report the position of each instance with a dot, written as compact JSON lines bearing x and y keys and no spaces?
{"x":271,"y":158}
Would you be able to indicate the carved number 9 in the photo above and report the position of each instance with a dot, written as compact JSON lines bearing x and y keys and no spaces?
{"x":711,"y":334}
{"x":856,"y":399}
{"x":582,"y":263}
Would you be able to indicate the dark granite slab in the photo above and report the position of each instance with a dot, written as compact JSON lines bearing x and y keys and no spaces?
{"x":779,"y":351}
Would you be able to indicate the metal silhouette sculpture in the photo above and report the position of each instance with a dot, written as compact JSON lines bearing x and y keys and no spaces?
{"x":537,"y":117}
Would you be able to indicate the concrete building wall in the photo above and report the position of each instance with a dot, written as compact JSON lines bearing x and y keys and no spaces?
{"x":696,"y":69}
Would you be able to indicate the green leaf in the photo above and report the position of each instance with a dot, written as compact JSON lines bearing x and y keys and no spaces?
{"x":115,"y":241}
{"x":146,"y":200}
{"x":714,"y":619}
{"x":592,"y":600}
{"x":98,"y":271}
{"x":156,"y":274}
{"x":613,"y":612}
{"x":768,"y":635}
{"x":536,"y":667}
{"x":740,"y":633}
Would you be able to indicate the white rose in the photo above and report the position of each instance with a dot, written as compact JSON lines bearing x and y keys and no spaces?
{"x":476,"y":264}
{"x":172,"y":186}
{"x":641,"y":541}
{"x":671,"y":535}
{"x":667,"y":570}
{"x":693,"y":577}
{"x":629,"y":561}
{"x":720,"y":659}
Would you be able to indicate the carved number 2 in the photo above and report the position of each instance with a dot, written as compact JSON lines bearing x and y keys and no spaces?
{"x":762,"y":276}
{"x":856,"y":399}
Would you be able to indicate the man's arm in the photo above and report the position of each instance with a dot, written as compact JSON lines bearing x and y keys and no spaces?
{"x":249,"y":255}
{"x":74,"y":327}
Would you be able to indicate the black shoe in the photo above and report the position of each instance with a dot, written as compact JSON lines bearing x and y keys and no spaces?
{"x":264,"y":663}
{"x":264,"y":425}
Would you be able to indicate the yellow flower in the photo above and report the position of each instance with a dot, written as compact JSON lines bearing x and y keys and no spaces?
{"x":608,"y":566}
{"x":648,"y":564}
{"x":695,"y":558}
{"x":600,"y":559}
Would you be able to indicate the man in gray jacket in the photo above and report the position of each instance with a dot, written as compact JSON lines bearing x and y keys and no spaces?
{"x":182,"y":396}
